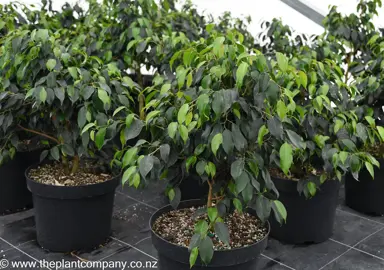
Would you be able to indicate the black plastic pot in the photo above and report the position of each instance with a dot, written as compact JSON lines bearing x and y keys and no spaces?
{"x":14,"y":195}
{"x":308,"y":220}
{"x":191,"y":188}
{"x":174,"y":257}
{"x":72,"y":218}
{"x":367,"y":194}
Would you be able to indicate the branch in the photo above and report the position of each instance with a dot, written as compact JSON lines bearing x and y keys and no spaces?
{"x":39,"y":133}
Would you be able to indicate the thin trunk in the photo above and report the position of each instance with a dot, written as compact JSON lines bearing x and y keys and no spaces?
{"x":65,"y":163}
{"x":210,"y":194}
{"x":141,"y":107}
{"x":75,"y":165}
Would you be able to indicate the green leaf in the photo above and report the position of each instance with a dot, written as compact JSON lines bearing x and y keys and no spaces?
{"x":100,"y":135}
{"x":238,"y":205}
{"x":296,"y":139}
{"x":193,"y":257}
{"x":263,"y":207}
{"x":165,"y":149}
{"x":262,"y":132}
{"x":183,"y":130}
{"x":381,"y":132}
{"x":145,"y":165}
{"x":151,"y":115}
{"x":202,"y":102}
{"x":320,"y":140}
{"x":343,"y":156}
{"x":128,"y":173}
{"x":311,"y":188}
{"x":279,"y":209}
{"x":129,"y":119}
{"x":237,"y":168}
{"x":212,"y":213}
{"x":338,"y":125}
{"x":228,"y":141}
{"x":88,"y":126}
{"x":73,"y":72}
{"x":242,"y":181}
{"x":134,"y":130}
{"x":222,"y":232}
{"x":216,"y":142}
{"x":370,"y":169}
{"x":81,"y":117}
{"x":282,"y":61}
{"x":281,"y":109}
{"x":55,"y":153}
{"x":201,"y":227}
{"x":303,"y":79}
{"x":210,"y":169}
{"x":51,"y":63}
{"x":240,"y":74}
{"x":165,"y":88}
{"x":129,"y":156}
{"x":136,"y":180}
{"x":181,"y":115}
{"x":206,"y":250}
{"x":103,"y":95}
{"x":371,"y":121}
{"x":172,"y":128}
{"x":43,"y":94}
{"x":171,"y":194}
{"x":190,"y":162}
{"x":42,"y":34}
{"x":286,"y":157}
{"x":200,"y":167}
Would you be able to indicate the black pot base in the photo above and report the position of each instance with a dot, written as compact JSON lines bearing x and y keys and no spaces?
{"x":309,"y":221}
{"x":73,"y":218}
{"x":14,"y":195}
{"x":366,"y":195}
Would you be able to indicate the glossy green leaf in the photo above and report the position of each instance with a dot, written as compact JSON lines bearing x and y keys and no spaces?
{"x":216,"y":142}
{"x":286,"y":157}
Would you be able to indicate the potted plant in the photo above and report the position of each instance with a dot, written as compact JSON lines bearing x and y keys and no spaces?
{"x":205,"y":122}
{"x":307,"y":147}
{"x":364,"y":195}
{"x":355,"y":42}
{"x":63,"y":94}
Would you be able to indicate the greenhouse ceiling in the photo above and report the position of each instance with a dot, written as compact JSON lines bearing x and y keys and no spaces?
{"x":261,"y":10}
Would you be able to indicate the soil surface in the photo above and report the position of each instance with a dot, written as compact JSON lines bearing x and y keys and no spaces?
{"x":54,"y":174}
{"x":177,"y":227}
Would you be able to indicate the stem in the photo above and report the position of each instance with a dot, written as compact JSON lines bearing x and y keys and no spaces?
{"x":40,"y":133}
{"x":140,"y":81}
{"x":210,"y":193}
{"x":141,"y":106}
{"x":347,"y":71}
{"x":65,"y":163}
{"x":75,"y":165}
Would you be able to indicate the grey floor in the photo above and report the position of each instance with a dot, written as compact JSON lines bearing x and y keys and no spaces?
{"x":357,"y":243}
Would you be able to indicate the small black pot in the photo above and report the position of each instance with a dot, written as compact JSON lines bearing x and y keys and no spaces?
{"x":174,"y":257}
{"x":14,"y":195}
{"x":72,"y":218}
{"x":191,"y":188}
{"x":308,"y":220}
{"x":367,"y":194}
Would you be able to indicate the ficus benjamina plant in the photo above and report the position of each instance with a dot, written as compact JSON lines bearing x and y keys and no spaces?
{"x":58,"y":94}
{"x":203,"y":122}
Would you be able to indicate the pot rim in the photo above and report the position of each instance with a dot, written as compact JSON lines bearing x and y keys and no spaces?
{"x":152,"y":219}
{"x":113,"y":177}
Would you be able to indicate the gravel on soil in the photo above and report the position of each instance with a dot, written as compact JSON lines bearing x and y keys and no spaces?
{"x":177,"y":227}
